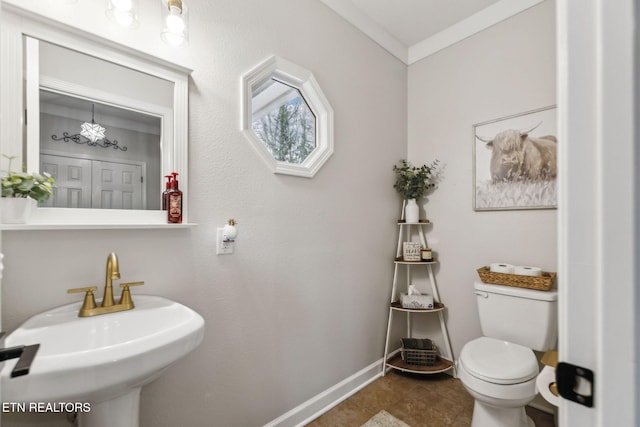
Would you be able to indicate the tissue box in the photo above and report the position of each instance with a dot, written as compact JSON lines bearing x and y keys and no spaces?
{"x":424,"y":301}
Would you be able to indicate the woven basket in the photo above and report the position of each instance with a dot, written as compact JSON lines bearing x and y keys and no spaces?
{"x":540,"y":283}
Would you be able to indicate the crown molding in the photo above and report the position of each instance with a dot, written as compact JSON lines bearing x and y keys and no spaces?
{"x":475,"y":23}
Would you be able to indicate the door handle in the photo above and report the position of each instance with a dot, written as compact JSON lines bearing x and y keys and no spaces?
{"x":25,"y":355}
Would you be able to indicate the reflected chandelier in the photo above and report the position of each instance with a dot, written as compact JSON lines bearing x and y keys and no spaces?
{"x":91,"y":134}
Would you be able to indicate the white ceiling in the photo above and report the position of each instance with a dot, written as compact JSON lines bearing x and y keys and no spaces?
{"x":414,"y":29}
{"x":412,"y":21}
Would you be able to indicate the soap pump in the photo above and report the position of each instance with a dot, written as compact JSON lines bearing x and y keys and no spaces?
{"x":165,"y":193}
{"x":174,"y":211}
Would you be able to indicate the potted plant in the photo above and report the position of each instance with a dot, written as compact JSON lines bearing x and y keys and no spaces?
{"x":412,"y":182}
{"x":21,"y":191}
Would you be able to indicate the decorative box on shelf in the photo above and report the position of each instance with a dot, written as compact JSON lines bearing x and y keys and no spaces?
{"x":411,"y":251}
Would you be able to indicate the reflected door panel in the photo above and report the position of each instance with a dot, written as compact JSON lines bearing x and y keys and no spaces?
{"x":117,"y":185}
{"x":73,"y":181}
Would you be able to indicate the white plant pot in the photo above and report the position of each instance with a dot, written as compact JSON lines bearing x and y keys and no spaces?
{"x":412,"y":211}
{"x":16,"y":210}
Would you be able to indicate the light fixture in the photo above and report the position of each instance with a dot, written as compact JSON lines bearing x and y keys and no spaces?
{"x":92,"y":134}
{"x":175,"y":22}
{"x":123,"y":12}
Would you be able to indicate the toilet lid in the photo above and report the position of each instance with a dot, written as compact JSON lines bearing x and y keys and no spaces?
{"x":499,"y":362}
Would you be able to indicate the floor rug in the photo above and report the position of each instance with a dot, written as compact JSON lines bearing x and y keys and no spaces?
{"x":384,"y":419}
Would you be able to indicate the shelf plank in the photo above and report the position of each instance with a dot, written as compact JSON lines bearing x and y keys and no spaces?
{"x":398,"y":260}
{"x":441,"y":365}
{"x":97,"y":226}
{"x":396,"y":305}
{"x":422,"y":221}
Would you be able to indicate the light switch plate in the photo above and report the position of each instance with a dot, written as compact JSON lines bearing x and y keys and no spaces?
{"x":223,"y":248}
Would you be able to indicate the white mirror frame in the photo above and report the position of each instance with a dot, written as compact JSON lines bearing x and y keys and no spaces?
{"x":300,"y":78}
{"x":17,"y":23}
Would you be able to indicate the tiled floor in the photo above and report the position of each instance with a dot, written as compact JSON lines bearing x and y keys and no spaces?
{"x":418,"y":400}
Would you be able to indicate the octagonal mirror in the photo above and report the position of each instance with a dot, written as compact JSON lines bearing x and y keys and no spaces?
{"x":287,"y":118}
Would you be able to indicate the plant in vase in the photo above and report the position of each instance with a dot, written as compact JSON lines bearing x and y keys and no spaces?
{"x":21,"y":190}
{"x":412,"y":182}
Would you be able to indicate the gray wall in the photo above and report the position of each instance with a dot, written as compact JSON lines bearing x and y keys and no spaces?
{"x":504,"y":70}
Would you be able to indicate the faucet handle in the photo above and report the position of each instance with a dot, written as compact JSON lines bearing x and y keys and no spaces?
{"x":78,"y":290}
{"x":126,"y":285}
{"x":89,"y":300}
{"x":125,"y":298}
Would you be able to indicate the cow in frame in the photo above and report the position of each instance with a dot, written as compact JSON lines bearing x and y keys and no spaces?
{"x":517,"y":156}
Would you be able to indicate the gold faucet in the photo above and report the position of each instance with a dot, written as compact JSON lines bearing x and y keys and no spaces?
{"x":89,"y":307}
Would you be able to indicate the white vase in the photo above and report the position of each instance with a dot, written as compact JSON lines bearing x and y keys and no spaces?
{"x":16,"y":210}
{"x":411,"y":211}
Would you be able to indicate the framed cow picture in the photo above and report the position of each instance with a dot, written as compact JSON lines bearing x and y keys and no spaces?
{"x":515,"y":162}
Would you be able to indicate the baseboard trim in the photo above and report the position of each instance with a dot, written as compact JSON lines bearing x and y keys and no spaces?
{"x":324,"y":401}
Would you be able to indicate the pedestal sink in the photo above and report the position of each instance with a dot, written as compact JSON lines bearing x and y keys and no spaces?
{"x":103,"y":360}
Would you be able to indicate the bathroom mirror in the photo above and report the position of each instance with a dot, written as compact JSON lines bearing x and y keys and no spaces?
{"x":118,"y":168}
{"x":69,"y":79}
{"x":287,"y":118}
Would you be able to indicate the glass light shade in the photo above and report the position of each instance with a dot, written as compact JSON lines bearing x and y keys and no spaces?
{"x":92,"y":131}
{"x":175,"y":22}
{"x":123,"y":12}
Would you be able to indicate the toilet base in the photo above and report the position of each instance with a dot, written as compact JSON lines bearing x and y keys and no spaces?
{"x":492,"y":416}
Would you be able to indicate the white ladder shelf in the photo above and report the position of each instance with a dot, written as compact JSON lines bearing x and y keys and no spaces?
{"x":393,"y":359}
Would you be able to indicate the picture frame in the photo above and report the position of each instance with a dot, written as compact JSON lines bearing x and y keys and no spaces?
{"x":515,"y":162}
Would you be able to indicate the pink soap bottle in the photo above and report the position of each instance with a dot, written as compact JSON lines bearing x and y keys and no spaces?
{"x":174,"y":208}
{"x":165,"y":193}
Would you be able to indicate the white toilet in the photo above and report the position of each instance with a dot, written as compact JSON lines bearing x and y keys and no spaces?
{"x":499,"y":369}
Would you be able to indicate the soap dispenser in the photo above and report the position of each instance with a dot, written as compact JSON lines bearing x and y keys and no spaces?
{"x":174,"y":209}
{"x":165,"y":193}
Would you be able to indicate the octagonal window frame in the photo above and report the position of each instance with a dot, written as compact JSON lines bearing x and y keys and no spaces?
{"x":286,"y":72}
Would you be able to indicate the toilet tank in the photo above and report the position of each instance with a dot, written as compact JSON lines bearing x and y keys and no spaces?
{"x":522,"y":316}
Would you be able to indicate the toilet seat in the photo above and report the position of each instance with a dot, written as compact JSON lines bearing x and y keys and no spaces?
{"x":498,"y":361}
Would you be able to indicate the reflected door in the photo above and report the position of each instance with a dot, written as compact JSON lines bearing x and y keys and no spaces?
{"x":84,"y":183}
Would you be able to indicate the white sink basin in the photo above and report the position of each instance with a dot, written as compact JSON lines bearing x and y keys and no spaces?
{"x":106,"y":358}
